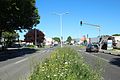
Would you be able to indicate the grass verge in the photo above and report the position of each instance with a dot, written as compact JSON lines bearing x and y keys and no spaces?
{"x":64,"y":64}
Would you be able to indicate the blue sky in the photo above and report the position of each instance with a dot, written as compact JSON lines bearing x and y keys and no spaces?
{"x":105,"y":13}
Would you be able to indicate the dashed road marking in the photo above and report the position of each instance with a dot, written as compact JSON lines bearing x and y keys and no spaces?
{"x":21,"y":60}
{"x":100,"y":58}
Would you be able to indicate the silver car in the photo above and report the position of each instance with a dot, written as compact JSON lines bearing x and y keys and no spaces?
{"x":92,"y":48}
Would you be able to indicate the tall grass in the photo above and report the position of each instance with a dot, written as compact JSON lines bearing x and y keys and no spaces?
{"x":64,"y":64}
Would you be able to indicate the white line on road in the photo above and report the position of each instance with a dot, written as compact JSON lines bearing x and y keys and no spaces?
{"x":10,"y":65}
{"x":21,"y":61}
{"x":43,"y":51}
{"x":99,"y":58}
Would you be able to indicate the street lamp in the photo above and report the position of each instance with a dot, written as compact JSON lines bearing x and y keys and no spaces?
{"x":61,"y":14}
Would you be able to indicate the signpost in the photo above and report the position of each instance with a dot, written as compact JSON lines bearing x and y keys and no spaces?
{"x":109,"y":45}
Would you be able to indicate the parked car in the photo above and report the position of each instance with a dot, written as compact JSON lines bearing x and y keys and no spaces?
{"x":92,"y":48}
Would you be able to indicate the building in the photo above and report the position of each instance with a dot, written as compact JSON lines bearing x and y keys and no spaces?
{"x":34,"y":36}
{"x":117,"y":41}
{"x":83,"y":40}
{"x":50,"y":42}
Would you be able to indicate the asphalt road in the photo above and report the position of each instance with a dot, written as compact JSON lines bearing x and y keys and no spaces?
{"x":108,"y":65}
{"x":17,"y":64}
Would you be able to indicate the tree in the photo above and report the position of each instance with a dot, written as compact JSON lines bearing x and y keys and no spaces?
{"x":116,"y":35}
{"x":10,"y":37}
{"x":17,"y":15}
{"x":35,"y":34}
{"x":56,"y":39}
{"x":69,"y":39}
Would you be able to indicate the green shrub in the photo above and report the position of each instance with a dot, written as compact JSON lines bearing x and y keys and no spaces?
{"x":31,"y":46}
{"x":64,"y":64}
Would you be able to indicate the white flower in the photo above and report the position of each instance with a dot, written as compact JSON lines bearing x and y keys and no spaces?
{"x":66,"y":62}
{"x":48,"y":76}
{"x":55,"y":75}
{"x":61,"y":74}
{"x":43,"y":70}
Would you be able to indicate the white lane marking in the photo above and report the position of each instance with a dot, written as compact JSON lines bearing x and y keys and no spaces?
{"x":100,"y":58}
{"x":12,"y":64}
{"x":21,"y":61}
{"x":43,"y":51}
{"x":95,"y":55}
{"x":79,"y":50}
{"x":9,"y":65}
{"x":103,"y":60}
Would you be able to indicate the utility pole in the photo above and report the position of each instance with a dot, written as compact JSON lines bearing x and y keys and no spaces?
{"x":35,"y":37}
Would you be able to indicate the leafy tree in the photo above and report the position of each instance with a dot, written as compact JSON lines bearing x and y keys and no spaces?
{"x":10,"y":37}
{"x":116,"y":35}
{"x":30,"y":36}
{"x":17,"y":15}
{"x":56,"y":39}
{"x":69,"y":39}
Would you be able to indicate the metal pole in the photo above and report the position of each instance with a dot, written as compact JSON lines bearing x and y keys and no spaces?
{"x":61,"y":29}
{"x":35,"y":37}
{"x":99,"y":31}
{"x":97,"y":26}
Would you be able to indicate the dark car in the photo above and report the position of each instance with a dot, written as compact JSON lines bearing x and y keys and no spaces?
{"x":92,"y":48}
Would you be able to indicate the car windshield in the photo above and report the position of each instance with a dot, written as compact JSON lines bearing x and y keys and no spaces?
{"x":95,"y":46}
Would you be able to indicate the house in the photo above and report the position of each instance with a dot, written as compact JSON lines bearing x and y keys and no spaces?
{"x":48,"y":41}
{"x":34,"y":36}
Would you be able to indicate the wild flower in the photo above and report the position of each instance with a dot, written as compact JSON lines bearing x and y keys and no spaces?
{"x":48,"y":76}
{"x":55,"y":75}
{"x":66,"y":62}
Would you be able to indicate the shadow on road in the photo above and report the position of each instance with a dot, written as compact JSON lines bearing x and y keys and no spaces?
{"x":10,"y":54}
{"x":115,"y":61}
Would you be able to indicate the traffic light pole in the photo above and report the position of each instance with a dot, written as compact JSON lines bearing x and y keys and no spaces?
{"x":97,"y":26}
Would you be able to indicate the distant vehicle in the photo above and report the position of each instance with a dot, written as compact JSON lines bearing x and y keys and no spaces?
{"x":15,"y":46}
{"x":1,"y":47}
{"x":92,"y":48}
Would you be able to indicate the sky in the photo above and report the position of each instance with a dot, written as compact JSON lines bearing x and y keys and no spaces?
{"x":105,"y":13}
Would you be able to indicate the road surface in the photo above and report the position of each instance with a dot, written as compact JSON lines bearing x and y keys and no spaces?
{"x":109,"y":63}
{"x":17,"y":65}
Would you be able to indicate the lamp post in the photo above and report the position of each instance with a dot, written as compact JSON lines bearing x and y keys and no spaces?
{"x":61,"y":15}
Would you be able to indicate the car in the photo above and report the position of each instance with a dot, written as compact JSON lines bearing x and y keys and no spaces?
{"x":92,"y":48}
{"x":0,"y":47}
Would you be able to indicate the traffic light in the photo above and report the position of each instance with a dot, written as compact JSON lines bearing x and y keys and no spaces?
{"x":81,"y":23}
